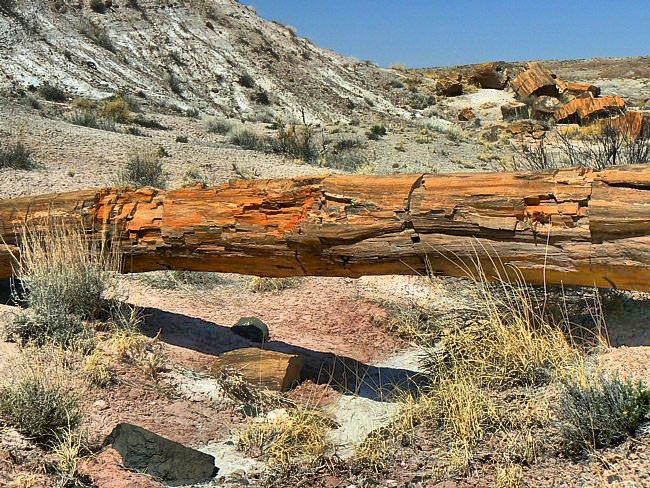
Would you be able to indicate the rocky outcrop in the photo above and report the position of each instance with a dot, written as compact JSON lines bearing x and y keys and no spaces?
{"x":167,"y":461}
{"x":450,"y":86}
{"x":571,"y":226}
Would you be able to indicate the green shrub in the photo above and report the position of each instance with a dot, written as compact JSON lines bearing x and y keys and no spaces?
{"x":8,"y":7}
{"x":601,"y":412}
{"x":376,"y":132}
{"x":40,"y":398}
{"x":16,"y":156}
{"x":182,"y":138}
{"x":148,"y":123}
{"x":52,"y":93}
{"x":298,"y":141}
{"x":247,"y":138}
{"x":63,"y":278}
{"x":143,"y":170}
{"x":219,"y":126}
{"x":98,"y":6}
{"x":89,"y":118}
{"x":246,"y":81}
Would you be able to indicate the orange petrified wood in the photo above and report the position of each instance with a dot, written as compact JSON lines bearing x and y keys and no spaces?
{"x":572,"y":226}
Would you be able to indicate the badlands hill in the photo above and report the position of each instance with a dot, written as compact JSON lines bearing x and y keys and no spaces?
{"x":217,"y":56}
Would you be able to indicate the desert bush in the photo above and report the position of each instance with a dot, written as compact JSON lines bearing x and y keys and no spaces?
{"x":8,"y":7}
{"x":97,"y":6}
{"x":536,"y":157}
{"x":220,"y":126}
{"x":297,"y":140}
{"x":258,"y":284}
{"x":16,"y":156}
{"x":143,"y":170}
{"x":89,"y":118}
{"x":64,"y":277}
{"x":40,"y":397}
{"x":609,"y":146}
{"x":510,"y":341}
{"x":600,"y":411}
{"x":262,"y":97}
{"x":298,"y":436}
{"x":117,"y":109}
{"x":246,"y":81}
{"x":182,"y":138}
{"x":97,"y":370}
{"x":148,"y":123}
{"x":376,"y":132}
{"x":247,"y":138}
{"x":52,"y":93}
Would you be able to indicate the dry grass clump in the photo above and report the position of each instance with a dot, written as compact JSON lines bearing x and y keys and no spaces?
{"x":291,"y":436}
{"x":182,"y":280}
{"x":259,"y":284}
{"x":16,"y":156}
{"x":64,"y":278}
{"x":509,"y":476}
{"x":40,"y":397}
{"x":97,"y":370}
{"x":220,"y":126}
{"x":513,"y":342}
{"x":131,"y":347}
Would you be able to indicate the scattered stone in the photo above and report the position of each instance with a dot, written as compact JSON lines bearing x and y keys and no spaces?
{"x":466,"y":114}
{"x":100,"y":405}
{"x":252,"y":329}
{"x":515,"y":110}
{"x":581,"y":90}
{"x":492,"y":75}
{"x":274,"y":370}
{"x":450,"y":86}
{"x":526,"y":128}
{"x":166,"y":460}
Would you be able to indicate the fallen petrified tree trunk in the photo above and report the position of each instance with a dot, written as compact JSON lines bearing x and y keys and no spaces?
{"x":572,"y":226}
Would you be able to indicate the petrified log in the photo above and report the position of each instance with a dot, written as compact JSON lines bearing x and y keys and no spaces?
{"x":584,"y":110}
{"x":277,"y":371}
{"x":572,"y":226}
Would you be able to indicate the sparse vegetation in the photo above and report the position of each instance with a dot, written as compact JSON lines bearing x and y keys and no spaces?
{"x":16,"y":156}
{"x":247,"y":138}
{"x":40,"y":397}
{"x":98,"y":6}
{"x":182,"y":280}
{"x":148,"y":123}
{"x":259,"y":284}
{"x":300,"y":435}
{"x":182,"y":139}
{"x":143,"y":170}
{"x":64,"y":277}
{"x":246,"y":81}
{"x":376,"y":132}
{"x":220,"y":126}
{"x":129,"y":346}
{"x":174,"y":83}
{"x":598,"y":411}
{"x":52,"y":93}
{"x":89,"y":118}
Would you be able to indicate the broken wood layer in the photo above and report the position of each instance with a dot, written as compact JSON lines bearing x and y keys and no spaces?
{"x":535,"y":81}
{"x":571,"y":226}
{"x":579,"y":110}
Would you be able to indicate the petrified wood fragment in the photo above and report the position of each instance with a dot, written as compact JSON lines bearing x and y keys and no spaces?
{"x":572,"y":226}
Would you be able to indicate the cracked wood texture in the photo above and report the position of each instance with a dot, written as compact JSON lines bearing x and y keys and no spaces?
{"x":570,"y":226}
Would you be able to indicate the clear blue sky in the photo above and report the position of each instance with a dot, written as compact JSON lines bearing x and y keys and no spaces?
{"x":420,"y":33}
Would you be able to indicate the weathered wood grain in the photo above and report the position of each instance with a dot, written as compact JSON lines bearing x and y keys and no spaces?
{"x":572,"y":226}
